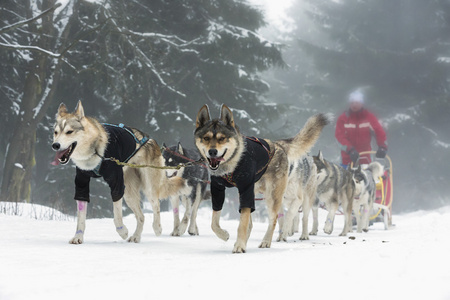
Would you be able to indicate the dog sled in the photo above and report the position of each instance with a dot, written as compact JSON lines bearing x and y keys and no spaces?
{"x":382,"y":207}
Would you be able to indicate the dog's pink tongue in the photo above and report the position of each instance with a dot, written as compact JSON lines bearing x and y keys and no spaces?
{"x":215,"y":161}
{"x":58,"y":155}
{"x":55,"y":162}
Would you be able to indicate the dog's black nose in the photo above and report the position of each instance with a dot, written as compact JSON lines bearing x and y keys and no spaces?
{"x":56,"y":146}
{"x":212,"y":152}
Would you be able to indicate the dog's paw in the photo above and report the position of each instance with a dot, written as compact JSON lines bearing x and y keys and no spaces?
{"x":157,"y":229}
{"x":304,"y":237}
{"x":314,"y":232}
{"x":239,"y":248}
{"x":134,"y":239}
{"x":282,"y":237}
{"x":175,"y":232}
{"x":343,"y":233}
{"x":265,"y":244}
{"x":182,"y":228}
{"x":193,"y":231}
{"x":122,"y":231}
{"x":222,"y":234}
{"x":77,"y":239}
{"x":328,"y":229}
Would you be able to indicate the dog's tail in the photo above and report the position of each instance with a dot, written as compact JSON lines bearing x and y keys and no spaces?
{"x":300,"y":144}
{"x":172,"y":187}
{"x":376,"y":169}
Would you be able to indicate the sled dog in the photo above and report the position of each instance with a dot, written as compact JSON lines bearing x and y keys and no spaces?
{"x":90,"y":144}
{"x":365,"y":180}
{"x":300,"y":192}
{"x":336,"y":186}
{"x":252,"y":165}
{"x":197,"y":180}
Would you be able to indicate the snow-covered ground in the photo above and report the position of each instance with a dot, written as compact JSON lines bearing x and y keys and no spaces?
{"x":411,"y":261}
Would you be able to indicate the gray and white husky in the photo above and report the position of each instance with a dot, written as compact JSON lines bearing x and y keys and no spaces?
{"x":336,"y":186}
{"x":196,"y":177}
{"x":89,"y":143}
{"x":300,"y":192}
{"x":365,"y":180}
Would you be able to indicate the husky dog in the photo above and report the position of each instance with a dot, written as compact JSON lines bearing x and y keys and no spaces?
{"x":301,"y":191}
{"x":89,"y":144}
{"x":252,"y":165}
{"x":365,"y":180}
{"x":197,"y":179}
{"x":335,"y":186}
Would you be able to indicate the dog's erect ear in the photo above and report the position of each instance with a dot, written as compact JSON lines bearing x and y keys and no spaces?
{"x":62,"y":110}
{"x":203,"y":116}
{"x":226,"y":116}
{"x":79,"y":110}
{"x":320,"y":155}
{"x":359,"y":169}
{"x":180,"y":149}
{"x":164,"y":145}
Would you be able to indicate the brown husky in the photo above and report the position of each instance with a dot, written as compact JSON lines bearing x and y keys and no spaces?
{"x":89,"y":144}
{"x":250,"y":164}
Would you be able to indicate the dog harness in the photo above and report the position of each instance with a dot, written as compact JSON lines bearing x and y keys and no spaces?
{"x":250,"y":169}
{"x":121,"y":145}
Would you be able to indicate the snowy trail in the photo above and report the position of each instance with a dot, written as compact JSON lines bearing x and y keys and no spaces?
{"x":408,"y":262}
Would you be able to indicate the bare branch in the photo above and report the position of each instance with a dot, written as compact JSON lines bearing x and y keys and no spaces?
{"x":32,"y":48}
{"x":27,"y":21}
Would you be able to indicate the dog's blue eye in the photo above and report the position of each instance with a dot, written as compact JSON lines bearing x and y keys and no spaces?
{"x":69,"y":132}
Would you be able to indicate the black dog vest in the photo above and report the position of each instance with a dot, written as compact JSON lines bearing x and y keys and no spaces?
{"x":122,"y":146}
{"x":250,"y":169}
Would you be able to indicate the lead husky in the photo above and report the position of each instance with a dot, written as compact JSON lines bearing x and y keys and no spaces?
{"x":365,"y":180}
{"x":196,"y":177}
{"x":252,"y":165}
{"x":88,"y":143}
{"x":335,"y":186}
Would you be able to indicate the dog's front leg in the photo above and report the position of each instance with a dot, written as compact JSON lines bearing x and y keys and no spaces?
{"x":81,"y":223}
{"x":215,"y":226}
{"x":175,"y":203}
{"x":121,"y":229}
{"x":241,"y":244}
{"x":315,"y":228}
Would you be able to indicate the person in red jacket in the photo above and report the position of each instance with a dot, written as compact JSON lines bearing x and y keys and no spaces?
{"x":354,"y":129}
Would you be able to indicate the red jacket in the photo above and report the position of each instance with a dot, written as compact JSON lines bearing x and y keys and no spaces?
{"x":354,"y":129}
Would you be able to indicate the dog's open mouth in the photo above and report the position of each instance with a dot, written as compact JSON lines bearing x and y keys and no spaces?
{"x":214,"y":162}
{"x":63,"y":156}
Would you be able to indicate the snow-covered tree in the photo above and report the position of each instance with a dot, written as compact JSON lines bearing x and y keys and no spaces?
{"x":149,"y":64}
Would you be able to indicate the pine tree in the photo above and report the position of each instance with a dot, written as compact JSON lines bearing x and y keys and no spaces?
{"x":148,"y":64}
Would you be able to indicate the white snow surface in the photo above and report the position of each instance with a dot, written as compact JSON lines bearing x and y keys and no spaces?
{"x":409,"y":261}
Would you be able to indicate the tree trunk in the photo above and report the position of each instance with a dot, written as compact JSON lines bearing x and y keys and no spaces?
{"x":19,"y":160}
{"x":39,"y":88}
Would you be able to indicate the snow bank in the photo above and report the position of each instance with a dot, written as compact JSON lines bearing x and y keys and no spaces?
{"x":408,"y":262}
